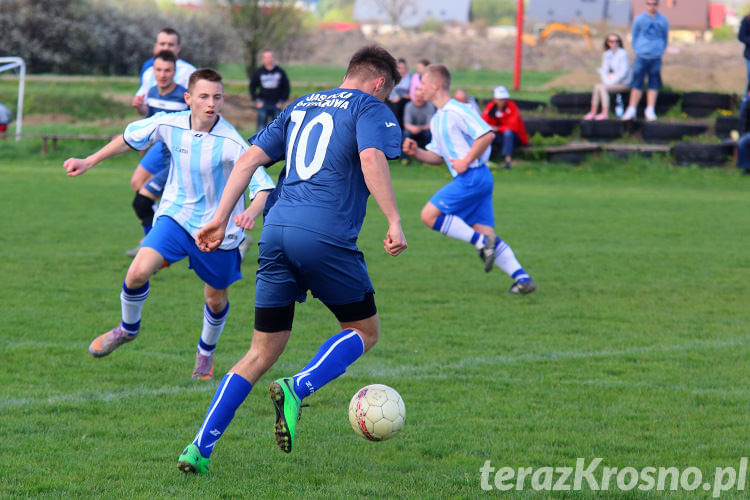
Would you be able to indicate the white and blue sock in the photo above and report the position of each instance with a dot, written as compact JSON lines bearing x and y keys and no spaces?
{"x":132,"y":300}
{"x":230,"y":394}
{"x":213,"y":325}
{"x":506,"y":260}
{"x":331,"y":360}
{"x":455,"y":227}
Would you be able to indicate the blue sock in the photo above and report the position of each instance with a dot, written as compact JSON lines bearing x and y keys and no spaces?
{"x":329,"y":362}
{"x":230,"y":394}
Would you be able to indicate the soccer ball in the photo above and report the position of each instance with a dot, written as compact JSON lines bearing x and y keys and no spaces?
{"x":377,"y":412}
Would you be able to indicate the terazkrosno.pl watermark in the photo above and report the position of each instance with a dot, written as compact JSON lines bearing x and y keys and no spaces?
{"x":592,"y":475}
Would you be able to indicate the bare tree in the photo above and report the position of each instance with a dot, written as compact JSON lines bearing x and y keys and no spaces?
{"x":263,"y":24}
{"x":395,"y":9}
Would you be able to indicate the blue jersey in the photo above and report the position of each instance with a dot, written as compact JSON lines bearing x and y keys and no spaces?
{"x":149,"y":62}
{"x":321,"y":135}
{"x":169,"y":103}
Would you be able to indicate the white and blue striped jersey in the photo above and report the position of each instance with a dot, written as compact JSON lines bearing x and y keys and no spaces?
{"x":170,"y":102}
{"x":200,"y":166}
{"x":454,"y":129}
{"x":182,"y":75}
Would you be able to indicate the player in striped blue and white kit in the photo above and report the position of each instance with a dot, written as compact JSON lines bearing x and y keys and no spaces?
{"x":167,"y":97}
{"x":204,"y":150}
{"x":336,"y":144}
{"x":463,"y":208}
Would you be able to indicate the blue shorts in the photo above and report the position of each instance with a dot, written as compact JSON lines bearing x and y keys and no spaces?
{"x":156,"y":158}
{"x":292,"y":260}
{"x":219,"y":269}
{"x":468,"y":196}
{"x":643,"y":67}
{"x":155,"y":184}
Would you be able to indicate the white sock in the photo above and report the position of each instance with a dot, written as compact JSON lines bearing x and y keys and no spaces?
{"x":506,"y":260}
{"x":455,"y":227}
{"x":131,"y":301}
{"x":213,"y":325}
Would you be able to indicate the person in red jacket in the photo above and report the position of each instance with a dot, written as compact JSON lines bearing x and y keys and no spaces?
{"x":502,"y":115}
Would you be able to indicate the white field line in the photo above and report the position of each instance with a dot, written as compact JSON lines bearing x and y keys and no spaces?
{"x":432,"y":371}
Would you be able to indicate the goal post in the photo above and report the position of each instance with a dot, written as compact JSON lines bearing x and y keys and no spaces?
{"x":9,"y":63}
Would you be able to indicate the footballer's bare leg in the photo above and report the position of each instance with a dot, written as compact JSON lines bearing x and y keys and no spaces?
{"x":146,"y":262}
{"x":265,"y":349}
{"x":368,"y":329}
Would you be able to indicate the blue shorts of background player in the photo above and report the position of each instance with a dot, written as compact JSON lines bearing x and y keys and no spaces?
{"x":156,"y":158}
{"x":646,"y":67}
{"x":293,"y":260}
{"x":468,"y":196}
{"x":218,"y":269}
{"x":156,"y":184}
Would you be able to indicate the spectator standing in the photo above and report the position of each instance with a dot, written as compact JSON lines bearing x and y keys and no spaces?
{"x":743,"y":143}
{"x":503,"y":116}
{"x":269,"y":88}
{"x":650,"y":33}
{"x":744,"y":37}
{"x":615,"y":74}
{"x":417,"y":116}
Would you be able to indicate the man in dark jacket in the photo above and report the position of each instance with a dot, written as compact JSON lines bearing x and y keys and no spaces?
{"x":269,"y":88}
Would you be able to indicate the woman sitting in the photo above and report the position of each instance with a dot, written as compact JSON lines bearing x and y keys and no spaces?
{"x":615,"y":73}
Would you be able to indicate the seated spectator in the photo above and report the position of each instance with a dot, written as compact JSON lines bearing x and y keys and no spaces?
{"x":417,"y":116}
{"x":502,"y":115}
{"x":461,"y":96}
{"x":416,"y":78}
{"x":615,"y":74}
{"x":400,"y":93}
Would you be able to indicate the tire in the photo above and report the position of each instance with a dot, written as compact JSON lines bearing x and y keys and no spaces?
{"x":706,"y":100}
{"x":548,"y":127}
{"x":664,"y":102}
{"x":602,"y":130}
{"x":524,"y":105}
{"x":572,"y":102}
{"x":688,"y":153}
{"x":725,"y":124}
{"x":697,"y":112}
{"x":666,"y":132}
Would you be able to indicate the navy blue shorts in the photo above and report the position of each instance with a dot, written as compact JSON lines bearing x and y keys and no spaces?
{"x":156,"y":159}
{"x":219,"y":268}
{"x":468,"y":196}
{"x":292,"y":260}
{"x":642,"y":68}
{"x":155,"y":184}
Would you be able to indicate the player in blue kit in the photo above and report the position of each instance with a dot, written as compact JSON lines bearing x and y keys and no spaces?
{"x":167,"y":97}
{"x":204,"y":150}
{"x":337,"y":143}
{"x":463,"y":208}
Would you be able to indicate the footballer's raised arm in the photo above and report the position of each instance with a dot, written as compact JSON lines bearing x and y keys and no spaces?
{"x":242,"y":172}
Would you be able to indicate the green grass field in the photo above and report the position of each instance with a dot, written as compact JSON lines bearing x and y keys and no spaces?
{"x":633,"y":349}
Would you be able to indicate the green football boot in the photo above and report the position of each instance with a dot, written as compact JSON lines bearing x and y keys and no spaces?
{"x":288,"y":408}
{"x":192,"y":462}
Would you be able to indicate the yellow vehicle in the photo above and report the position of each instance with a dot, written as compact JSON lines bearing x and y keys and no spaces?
{"x":544,"y":34}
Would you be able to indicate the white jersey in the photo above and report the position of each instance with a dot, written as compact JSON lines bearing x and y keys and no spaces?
{"x":454,"y":129}
{"x":182,"y":75}
{"x":200,"y":166}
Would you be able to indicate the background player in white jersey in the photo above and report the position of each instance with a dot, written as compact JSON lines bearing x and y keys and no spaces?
{"x":204,"y":149}
{"x":463,"y":209}
{"x":336,"y":143}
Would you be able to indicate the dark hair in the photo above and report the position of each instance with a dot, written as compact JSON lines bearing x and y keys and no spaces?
{"x":171,"y":31}
{"x":374,"y":61}
{"x":441,"y":72}
{"x":401,"y":60}
{"x":425,"y":62}
{"x":203,"y":74}
{"x":619,"y":40}
{"x":166,"y":55}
